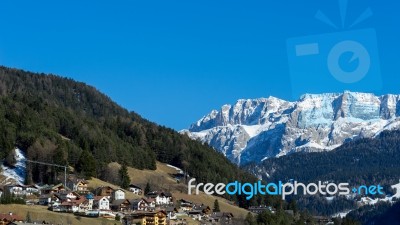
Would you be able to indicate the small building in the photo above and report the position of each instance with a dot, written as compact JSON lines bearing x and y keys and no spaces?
{"x":118,"y":194}
{"x":104,"y":191}
{"x":143,"y":204}
{"x":16,"y":190}
{"x":101,"y":203}
{"x":31,"y":190}
{"x":146,"y":218}
{"x":7,"y":218}
{"x":260,"y":209}
{"x":135,"y":189}
{"x":221,"y":217}
{"x":52,"y":189}
{"x":185,"y":205}
{"x":121,"y":205}
{"x":162,"y":198}
{"x":80,"y":186}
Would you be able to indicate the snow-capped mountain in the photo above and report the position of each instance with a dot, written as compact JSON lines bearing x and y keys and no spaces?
{"x":255,"y":129}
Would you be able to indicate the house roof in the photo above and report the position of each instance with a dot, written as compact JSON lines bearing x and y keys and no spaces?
{"x":154,"y":194}
{"x":98,"y":198}
{"x":185,"y":201}
{"x":134,"y":186}
{"x":120,"y":202}
{"x":218,"y":215}
{"x":10,"y":217}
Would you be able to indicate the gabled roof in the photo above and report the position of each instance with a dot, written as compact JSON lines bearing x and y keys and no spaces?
{"x":8,"y":217}
{"x":120,"y":202}
{"x":98,"y":198}
{"x":134,"y":186}
{"x":154,"y":194}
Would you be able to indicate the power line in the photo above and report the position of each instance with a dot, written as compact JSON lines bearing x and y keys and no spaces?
{"x":52,"y":164}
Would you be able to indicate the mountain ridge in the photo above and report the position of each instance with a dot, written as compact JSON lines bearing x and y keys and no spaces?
{"x":252,"y":130}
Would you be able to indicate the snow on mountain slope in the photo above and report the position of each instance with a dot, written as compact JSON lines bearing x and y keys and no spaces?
{"x":15,"y":175}
{"x":255,"y":129}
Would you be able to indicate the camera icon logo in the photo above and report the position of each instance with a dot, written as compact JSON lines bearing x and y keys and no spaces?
{"x":335,"y":62}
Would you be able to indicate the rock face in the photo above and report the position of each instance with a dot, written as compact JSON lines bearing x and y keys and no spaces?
{"x":255,"y":129}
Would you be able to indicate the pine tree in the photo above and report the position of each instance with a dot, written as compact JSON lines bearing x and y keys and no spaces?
{"x":125,"y":181}
{"x":216,"y":206}
{"x":28,"y":217}
{"x":147,"y":189}
{"x":86,"y":164}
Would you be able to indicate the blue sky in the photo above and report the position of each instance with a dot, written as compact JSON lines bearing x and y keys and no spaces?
{"x":174,"y":61}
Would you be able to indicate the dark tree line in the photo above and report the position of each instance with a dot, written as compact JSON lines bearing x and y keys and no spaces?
{"x":59,"y":120}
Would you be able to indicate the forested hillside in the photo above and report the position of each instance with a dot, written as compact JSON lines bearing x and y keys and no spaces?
{"x":62,"y":121}
{"x":365,"y":161}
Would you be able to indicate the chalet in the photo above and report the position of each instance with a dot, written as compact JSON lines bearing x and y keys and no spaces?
{"x":16,"y":190}
{"x":52,"y":189}
{"x":31,"y":190}
{"x":67,"y":195}
{"x":162,"y":198}
{"x":143,"y":204}
{"x":121,"y":205}
{"x":185,"y":205}
{"x":171,"y":213}
{"x":118,"y":194}
{"x":80,"y":186}
{"x":101,"y":203}
{"x":260,"y":209}
{"x":50,"y":200}
{"x":221,"y":217}
{"x":104,"y":191}
{"x":202,"y":208}
{"x":135,"y":189}
{"x":145,"y":218}
{"x":7,"y":218}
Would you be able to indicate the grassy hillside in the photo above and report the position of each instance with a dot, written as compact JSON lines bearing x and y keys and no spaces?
{"x":162,"y":179}
{"x":40,"y":213}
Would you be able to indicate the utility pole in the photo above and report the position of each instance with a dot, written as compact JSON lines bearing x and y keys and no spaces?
{"x":56,"y":165}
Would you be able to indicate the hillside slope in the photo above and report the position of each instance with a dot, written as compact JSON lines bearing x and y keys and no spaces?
{"x":365,"y":161}
{"x":54,"y":119}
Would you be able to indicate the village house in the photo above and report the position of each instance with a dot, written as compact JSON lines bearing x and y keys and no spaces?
{"x":185,"y":205}
{"x":75,"y":205}
{"x":171,"y":213}
{"x":7,"y":218}
{"x":67,"y":195}
{"x":16,"y":190}
{"x":52,"y":189}
{"x":101,"y":203}
{"x":118,"y":194}
{"x":146,"y":218}
{"x":104,"y":191}
{"x":143,"y":204}
{"x":31,"y":190}
{"x":260,"y":209}
{"x":135,"y":189}
{"x":121,"y":205}
{"x":161,"y":198}
{"x":50,"y":200}
{"x":221,"y":217}
{"x":80,"y":186}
